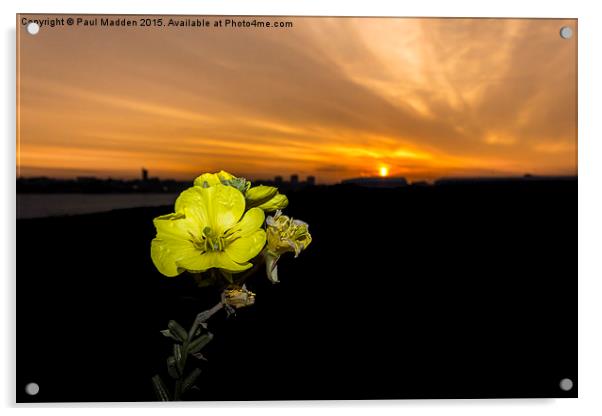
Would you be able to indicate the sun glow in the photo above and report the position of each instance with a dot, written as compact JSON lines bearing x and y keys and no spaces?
{"x":383,"y":171}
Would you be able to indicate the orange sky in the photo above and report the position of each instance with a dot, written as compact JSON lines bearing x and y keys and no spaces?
{"x":331,"y":97}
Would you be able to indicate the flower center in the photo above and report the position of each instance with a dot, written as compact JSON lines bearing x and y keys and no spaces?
{"x":212,"y":241}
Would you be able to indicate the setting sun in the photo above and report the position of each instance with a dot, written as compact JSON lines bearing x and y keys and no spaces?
{"x":383,"y":171}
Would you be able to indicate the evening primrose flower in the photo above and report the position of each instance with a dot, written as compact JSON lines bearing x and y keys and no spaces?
{"x":284,"y":234}
{"x":266,"y":197}
{"x":208,"y":230}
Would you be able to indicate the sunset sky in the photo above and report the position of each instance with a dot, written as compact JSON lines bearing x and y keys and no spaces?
{"x":331,"y":97}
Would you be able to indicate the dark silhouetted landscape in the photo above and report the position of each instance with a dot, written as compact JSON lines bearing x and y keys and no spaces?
{"x":460,"y":290}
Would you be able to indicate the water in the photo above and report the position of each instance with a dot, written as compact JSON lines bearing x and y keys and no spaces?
{"x":52,"y":205}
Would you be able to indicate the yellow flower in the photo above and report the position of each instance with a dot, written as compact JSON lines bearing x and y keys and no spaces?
{"x":238,"y":298}
{"x":208,"y":230}
{"x":284,"y":234}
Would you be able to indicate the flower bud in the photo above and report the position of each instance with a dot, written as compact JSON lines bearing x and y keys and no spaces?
{"x":238,"y":298}
{"x":265,"y":197}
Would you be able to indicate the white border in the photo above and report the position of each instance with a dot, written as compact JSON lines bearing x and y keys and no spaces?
{"x":590,"y":186}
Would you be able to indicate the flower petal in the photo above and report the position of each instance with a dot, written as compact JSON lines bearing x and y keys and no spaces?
{"x":210,"y":259}
{"x":245,"y":248}
{"x":218,"y":207}
{"x":250,"y":222}
{"x":206,"y":180}
{"x":193,"y":202}
{"x":174,"y":242}
{"x":168,"y":255}
{"x":225,"y":207}
{"x":212,"y":179}
{"x":176,"y":225}
{"x":225,"y":176}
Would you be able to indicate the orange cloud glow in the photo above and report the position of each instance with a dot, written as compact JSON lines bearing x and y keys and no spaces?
{"x":331,"y":97}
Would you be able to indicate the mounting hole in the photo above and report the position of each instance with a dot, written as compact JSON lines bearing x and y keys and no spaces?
{"x":32,"y":389}
{"x":566,"y":384}
{"x":566,"y":32}
{"x":33,"y":28}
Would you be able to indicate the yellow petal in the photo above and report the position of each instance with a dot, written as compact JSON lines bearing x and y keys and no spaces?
{"x":168,"y":255}
{"x":224,"y":176}
{"x":218,"y":207}
{"x":225,"y":207}
{"x":212,"y":179}
{"x":210,"y":259}
{"x":245,"y":248}
{"x":250,"y":222}
{"x":207,"y":179}
{"x":193,"y":202}
{"x":176,"y":225}
{"x":174,"y":242}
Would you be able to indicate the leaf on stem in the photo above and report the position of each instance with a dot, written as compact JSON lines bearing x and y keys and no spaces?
{"x":160,"y":389}
{"x":172,"y":367}
{"x":190,"y":379}
{"x":167,"y":333}
{"x":199,"y":343}
{"x":177,"y":352}
{"x":177,"y":330}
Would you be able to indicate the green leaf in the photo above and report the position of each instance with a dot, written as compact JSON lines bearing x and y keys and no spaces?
{"x":160,"y":389}
{"x":190,"y":379}
{"x":199,"y":343}
{"x":177,"y":330}
{"x":172,"y":367}
{"x":202,"y":326}
{"x":167,"y":333}
{"x":177,"y":352}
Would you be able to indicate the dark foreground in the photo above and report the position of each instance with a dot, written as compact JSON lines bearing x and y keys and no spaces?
{"x":458,"y":291}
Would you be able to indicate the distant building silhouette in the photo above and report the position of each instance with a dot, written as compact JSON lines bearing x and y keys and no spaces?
{"x":377,"y":182}
{"x":420,"y":183}
{"x":91,"y":184}
{"x":293,"y":184}
{"x":487,"y":180}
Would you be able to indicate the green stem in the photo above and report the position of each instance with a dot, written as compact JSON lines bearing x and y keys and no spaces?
{"x":200,"y":318}
{"x":244,"y":276}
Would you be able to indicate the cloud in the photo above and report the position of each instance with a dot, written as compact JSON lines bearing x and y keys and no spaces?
{"x":427,"y":97}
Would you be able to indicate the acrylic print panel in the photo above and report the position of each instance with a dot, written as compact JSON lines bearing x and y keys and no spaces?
{"x":258,"y":208}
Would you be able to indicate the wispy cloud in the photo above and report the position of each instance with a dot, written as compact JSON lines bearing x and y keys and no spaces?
{"x":331,"y":97}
